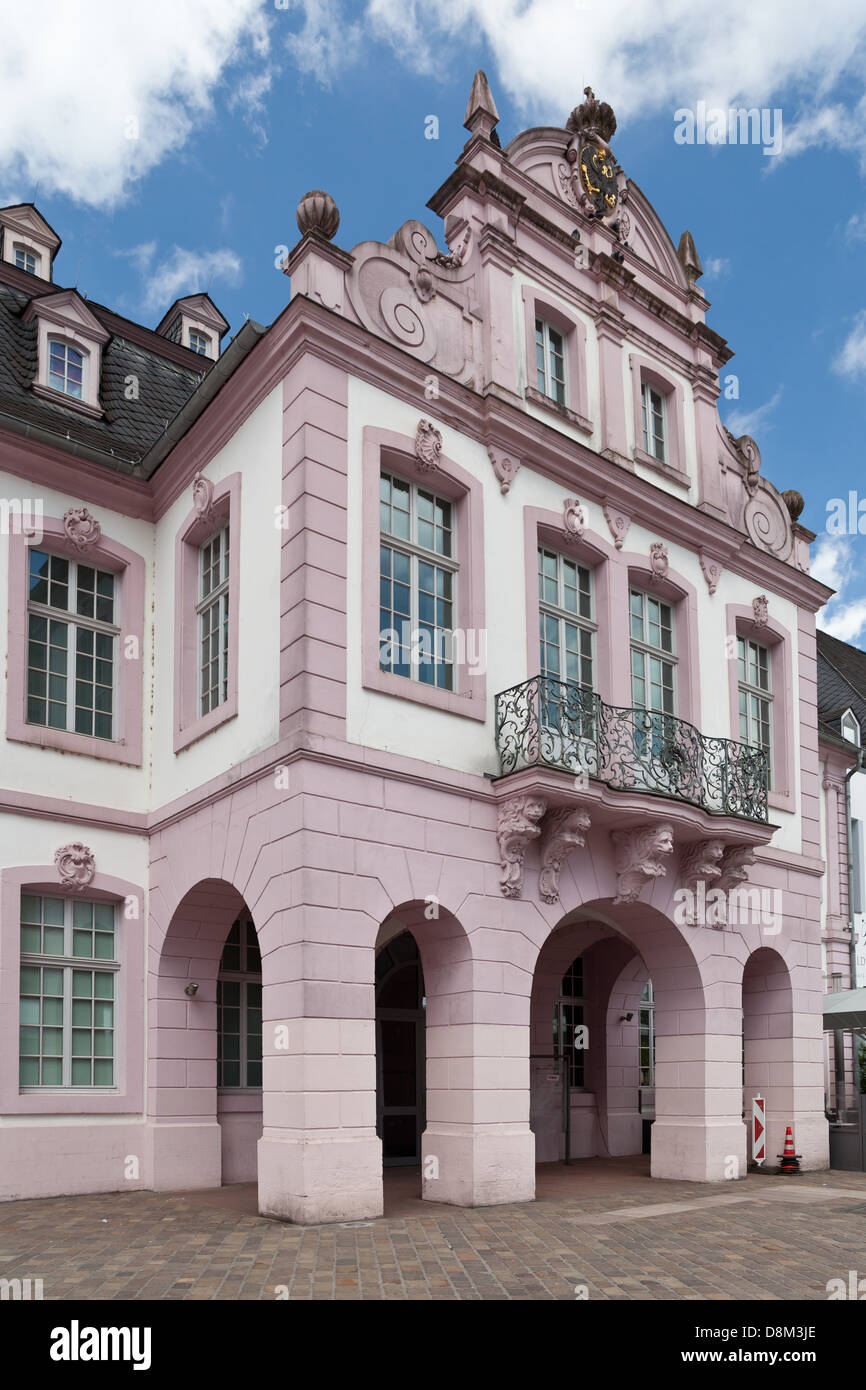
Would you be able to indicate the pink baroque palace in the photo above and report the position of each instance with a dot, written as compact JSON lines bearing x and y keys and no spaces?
{"x":410,"y":750}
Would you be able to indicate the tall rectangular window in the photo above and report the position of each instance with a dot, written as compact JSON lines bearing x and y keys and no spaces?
{"x":647,"y":1036}
{"x":418,"y":576}
{"x":71,"y":648}
{"x":653,"y":413}
{"x":239,"y":1010}
{"x":754,"y":694}
{"x":213,"y":620}
{"x":653,"y":660}
{"x":566,"y":640}
{"x":550,"y":361}
{"x":67,"y":992}
{"x":567,"y":1019}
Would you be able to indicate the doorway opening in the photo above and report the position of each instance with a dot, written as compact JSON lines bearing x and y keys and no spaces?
{"x":401,"y":1084}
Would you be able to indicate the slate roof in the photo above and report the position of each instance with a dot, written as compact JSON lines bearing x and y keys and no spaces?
{"x":841,"y":683}
{"x":128,"y":428}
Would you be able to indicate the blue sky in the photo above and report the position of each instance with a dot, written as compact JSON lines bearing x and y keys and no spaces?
{"x":172,"y":164}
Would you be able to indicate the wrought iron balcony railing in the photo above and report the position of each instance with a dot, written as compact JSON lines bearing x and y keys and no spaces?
{"x":552,"y":723}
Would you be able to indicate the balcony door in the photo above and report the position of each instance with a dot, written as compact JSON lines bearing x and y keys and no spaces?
{"x":566,"y":660}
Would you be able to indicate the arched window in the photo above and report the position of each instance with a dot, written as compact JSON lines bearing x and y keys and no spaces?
{"x":567,"y":1019}
{"x":65,"y":368}
{"x":199,"y":343}
{"x":239,"y":1010}
{"x":26,"y":259}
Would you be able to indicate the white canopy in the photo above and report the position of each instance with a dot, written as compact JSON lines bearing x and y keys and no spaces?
{"x":845,"y":1010}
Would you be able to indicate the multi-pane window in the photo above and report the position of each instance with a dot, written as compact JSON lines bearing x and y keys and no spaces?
{"x":566,"y":637}
{"x":239,"y":1009}
{"x":65,"y":368}
{"x":25,"y":259}
{"x":67,"y":992}
{"x":567,"y":1019}
{"x":417,"y":583}
{"x":199,"y":343}
{"x":647,"y":1036}
{"x":71,"y":648}
{"x":213,"y":621}
{"x":754,"y":693}
{"x":653,"y":412}
{"x":653,"y":661}
{"x":550,"y":361}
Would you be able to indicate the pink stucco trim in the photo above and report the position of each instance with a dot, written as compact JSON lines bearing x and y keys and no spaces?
{"x":387,"y":448}
{"x":537,"y":305}
{"x":740,"y":621}
{"x":127,"y":1097}
{"x":541,"y":527}
{"x":109,"y":555}
{"x":674,"y":466}
{"x":194,"y":531}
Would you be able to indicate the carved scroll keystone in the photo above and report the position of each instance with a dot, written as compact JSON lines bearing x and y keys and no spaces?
{"x":573,"y":519}
{"x":761,"y":610}
{"x":518,"y":824}
{"x":202,"y":497}
{"x":81,"y":527}
{"x":639,"y":853}
{"x":618,"y":524}
{"x":505,"y":466}
{"x":712,"y":571}
{"x":659,"y":560}
{"x":75,"y":865}
{"x":564,"y":830}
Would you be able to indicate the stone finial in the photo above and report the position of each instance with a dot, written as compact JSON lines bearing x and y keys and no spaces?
{"x":518,"y":824}
{"x":317,"y":212}
{"x":687,"y":254}
{"x":593,"y":118}
{"x":564,"y":830}
{"x":75,"y":865}
{"x":793,"y":500}
{"x":639,"y":853}
{"x":481,"y":113}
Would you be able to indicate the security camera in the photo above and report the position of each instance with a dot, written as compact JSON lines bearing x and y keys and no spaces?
{"x":191,"y":990}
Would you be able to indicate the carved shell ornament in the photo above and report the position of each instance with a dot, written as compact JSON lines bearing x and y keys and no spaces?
{"x":202,"y":496}
{"x":573,"y":519}
{"x":428,"y":446}
{"x":75,"y":865}
{"x":81,"y":528}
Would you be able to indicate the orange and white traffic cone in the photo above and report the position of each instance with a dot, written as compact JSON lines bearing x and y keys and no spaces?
{"x":789,"y":1163}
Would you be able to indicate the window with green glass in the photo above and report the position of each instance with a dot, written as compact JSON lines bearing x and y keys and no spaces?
{"x":239,"y":1010}
{"x":67,"y":993}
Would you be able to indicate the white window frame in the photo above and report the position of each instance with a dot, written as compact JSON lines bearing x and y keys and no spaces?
{"x":651,"y":439}
{"x":74,"y":620}
{"x":584,"y":623}
{"x":547,"y":382}
{"x":647,"y":1029}
{"x":421,"y":554}
{"x":564,"y":1026}
{"x":55,"y":340}
{"x":649,"y":652}
{"x":68,"y":963}
{"x":27,"y":252}
{"x":195,"y":333}
{"x":217,"y":598}
{"x":755,"y":693}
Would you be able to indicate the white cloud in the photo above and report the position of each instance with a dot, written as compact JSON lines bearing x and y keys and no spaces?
{"x":835,"y":564}
{"x":180,"y":273}
{"x":753,"y":422}
{"x":96,"y":94}
{"x":716,"y":266}
{"x":851,"y":360}
{"x":855,"y":229}
{"x":327,"y":42}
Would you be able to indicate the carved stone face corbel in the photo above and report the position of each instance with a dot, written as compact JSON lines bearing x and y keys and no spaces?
{"x":564,"y":830}
{"x":700,"y":865}
{"x":639,"y":854}
{"x":518,"y":824}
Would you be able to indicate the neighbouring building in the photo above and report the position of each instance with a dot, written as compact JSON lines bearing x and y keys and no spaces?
{"x":410,"y":749}
{"x":842,"y":731}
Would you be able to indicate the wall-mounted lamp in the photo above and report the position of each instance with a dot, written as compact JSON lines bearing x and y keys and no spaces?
{"x":190,"y":990}
{"x":626,"y":1018}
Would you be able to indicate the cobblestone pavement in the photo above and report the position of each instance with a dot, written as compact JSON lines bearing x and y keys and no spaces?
{"x":764,"y":1238}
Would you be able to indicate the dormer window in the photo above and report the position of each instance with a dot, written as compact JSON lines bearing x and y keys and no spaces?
{"x":65,"y":369}
{"x":26,"y":259}
{"x":550,"y":361}
{"x":850,"y":727}
{"x":653,"y":411}
{"x":199,"y":343}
